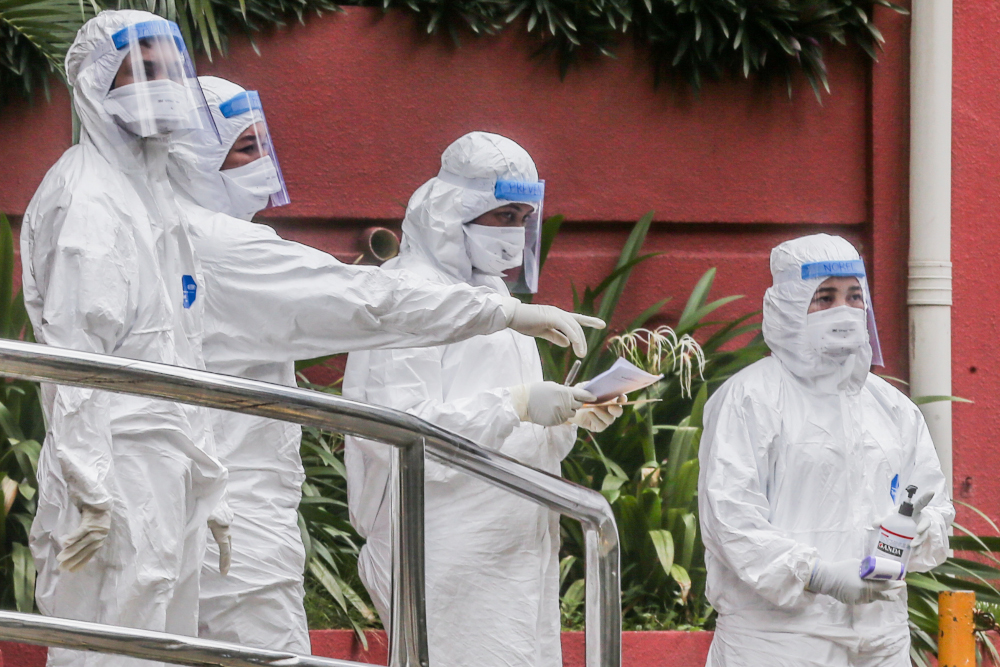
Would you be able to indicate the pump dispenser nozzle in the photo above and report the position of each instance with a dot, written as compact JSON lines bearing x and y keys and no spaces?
{"x":906,"y":509}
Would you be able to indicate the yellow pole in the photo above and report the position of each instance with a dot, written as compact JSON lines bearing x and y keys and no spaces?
{"x":956,"y":641}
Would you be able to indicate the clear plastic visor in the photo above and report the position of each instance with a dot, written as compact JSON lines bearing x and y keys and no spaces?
{"x":854,"y":268}
{"x":252,"y":144}
{"x":155,"y":90}
{"x":524,"y":279}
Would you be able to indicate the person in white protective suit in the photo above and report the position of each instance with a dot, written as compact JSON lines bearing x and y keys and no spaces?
{"x":492,"y":571}
{"x":802,"y":456}
{"x":269,"y":302}
{"x":126,"y":484}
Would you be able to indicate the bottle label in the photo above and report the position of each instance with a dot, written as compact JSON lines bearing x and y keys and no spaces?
{"x":893,"y":545}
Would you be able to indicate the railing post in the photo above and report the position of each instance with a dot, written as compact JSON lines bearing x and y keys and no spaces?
{"x":603,"y":606}
{"x":956,"y":638}
{"x":408,"y":639}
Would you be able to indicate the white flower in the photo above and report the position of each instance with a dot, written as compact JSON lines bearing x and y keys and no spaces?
{"x":661,"y":351}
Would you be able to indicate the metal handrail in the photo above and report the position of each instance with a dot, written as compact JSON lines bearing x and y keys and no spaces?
{"x":149,"y":645}
{"x":410,"y":435}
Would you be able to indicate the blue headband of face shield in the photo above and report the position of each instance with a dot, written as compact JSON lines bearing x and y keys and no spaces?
{"x":147,"y":29}
{"x":240,"y":103}
{"x":521,"y":191}
{"x":849,"y":267}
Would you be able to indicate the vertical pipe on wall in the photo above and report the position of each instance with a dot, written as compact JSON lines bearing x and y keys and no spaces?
{"x":929,"y":293}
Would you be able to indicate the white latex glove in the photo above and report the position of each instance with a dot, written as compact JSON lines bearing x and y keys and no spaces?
{"x":599,"y":417}
{"x":81,"y":545}
{"x":548,"y":322}
{"x":222,"y":536}
{"x":923,"y":522}
{"x":548,"y":403}
{"x":842,"y":580}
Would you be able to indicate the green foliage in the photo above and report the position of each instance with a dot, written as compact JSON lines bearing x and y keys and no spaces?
{"x":23,"y":429}
{"x":34,"y":36}
{"x":646,"y":463}
{"x":692,"y":39}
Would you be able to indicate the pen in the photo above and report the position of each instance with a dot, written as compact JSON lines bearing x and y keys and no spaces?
{"x":574,"y":369}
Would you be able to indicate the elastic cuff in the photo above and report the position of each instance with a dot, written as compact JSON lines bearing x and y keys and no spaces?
{"x":813,"y":565}
{"x":519,"y":400}
{"x":95,"y":502}
{"x":509,"y":304}
{"x":222,"y":514}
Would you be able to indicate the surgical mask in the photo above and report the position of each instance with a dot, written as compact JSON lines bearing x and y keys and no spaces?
{"x":148,"y":108}
{"x":251,"y":186}
{"x":494,"y":250}
{"x":837,"y":332}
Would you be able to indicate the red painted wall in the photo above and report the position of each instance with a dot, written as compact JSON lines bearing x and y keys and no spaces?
{"x":975,"y":237}
{"x":361,"y":106}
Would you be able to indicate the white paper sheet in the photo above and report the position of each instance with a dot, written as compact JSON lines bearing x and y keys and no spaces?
{"x":622,"y":378}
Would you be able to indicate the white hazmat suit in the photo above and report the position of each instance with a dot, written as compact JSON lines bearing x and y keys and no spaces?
{"x":109,"y":268}
{"x":492,"y":571}
{"x":799,"y":459}
{"x":270,"y":302}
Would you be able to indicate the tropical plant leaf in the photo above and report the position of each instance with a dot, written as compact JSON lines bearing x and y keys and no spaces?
{"x":663,"y":542}
{"x":34,"y":37}
{"x":24,"y":577}
{"x":924,"y":400}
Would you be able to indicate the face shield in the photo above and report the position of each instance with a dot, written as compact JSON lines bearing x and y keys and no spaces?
{"x":155,"y":90}
{"x":523,"y":279}
{"x":854,"y":268}
{"x":251,"y":171}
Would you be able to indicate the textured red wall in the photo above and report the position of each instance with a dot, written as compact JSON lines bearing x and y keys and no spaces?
{"x":975,"y":233}
{"x":361,"y":106}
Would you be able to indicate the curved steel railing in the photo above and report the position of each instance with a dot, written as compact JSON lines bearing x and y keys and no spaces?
{"x":148,"y":645}
{"x":411,"y":437}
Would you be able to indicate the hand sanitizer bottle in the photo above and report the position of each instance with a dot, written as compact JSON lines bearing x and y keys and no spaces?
{"x":892,"y":552}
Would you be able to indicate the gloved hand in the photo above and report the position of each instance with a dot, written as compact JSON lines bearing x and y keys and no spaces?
{"x":598,"y":417}
{"x":548,"y":322}
{"x":548,"y":403}
{"x":222,"y":536}
{"x":81,"y":545}
{"x":923,"y":521}
{"x":842,"y":580}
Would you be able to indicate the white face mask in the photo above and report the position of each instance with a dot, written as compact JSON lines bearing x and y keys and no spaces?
{"x":251,"y":186}
{"x":494,"y":250}
{"x":148,"y":108}
{"x":837,"y":332}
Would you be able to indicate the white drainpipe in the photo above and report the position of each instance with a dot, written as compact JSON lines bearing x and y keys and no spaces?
{"x":929,"y":294}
